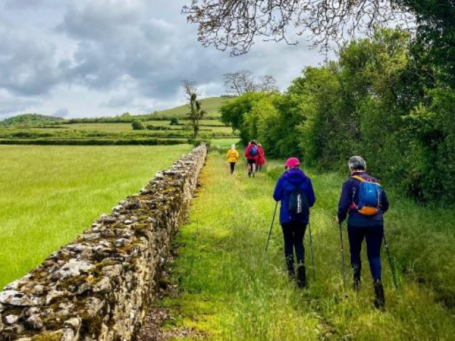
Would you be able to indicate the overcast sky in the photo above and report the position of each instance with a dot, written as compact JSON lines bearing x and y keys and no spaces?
{"x":85,"y":58}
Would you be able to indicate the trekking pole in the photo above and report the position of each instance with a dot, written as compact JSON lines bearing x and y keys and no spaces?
{"x":343,"y":267}
{"x":392,"y":267}
{"x":271,"y":226}
{"x":312,"y":251}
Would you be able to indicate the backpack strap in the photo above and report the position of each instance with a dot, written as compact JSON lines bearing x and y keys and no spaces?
{"x":358,"y":177}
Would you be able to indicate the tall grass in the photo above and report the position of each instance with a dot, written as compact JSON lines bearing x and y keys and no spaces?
{"x":50,"y":194}
{"x":231,"y":289}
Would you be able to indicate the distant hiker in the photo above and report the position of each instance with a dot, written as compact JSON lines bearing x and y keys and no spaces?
{"x":261,"y":157}
{"x":295,"y":191}
{"x":251,"y":153}
{"x":232,"y":157}
{"x":365,"y":201}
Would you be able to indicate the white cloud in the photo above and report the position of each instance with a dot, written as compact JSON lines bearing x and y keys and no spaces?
{"x":62,"y":112}
{"x":11,"y":104}
{"x":105,"y":57}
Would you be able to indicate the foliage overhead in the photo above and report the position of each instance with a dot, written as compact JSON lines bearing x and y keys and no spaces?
{"x":235,"y":24}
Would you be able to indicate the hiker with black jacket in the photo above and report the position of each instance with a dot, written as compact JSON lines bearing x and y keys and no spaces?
{"x":295,"y":191}
{"x":365,"y":201}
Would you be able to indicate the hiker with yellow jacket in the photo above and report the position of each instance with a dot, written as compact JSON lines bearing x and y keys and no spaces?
{"x":232,"y":157}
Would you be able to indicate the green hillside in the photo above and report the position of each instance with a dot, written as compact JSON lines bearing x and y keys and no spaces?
{"x":30,"y":120}
{"x":211,"y":105}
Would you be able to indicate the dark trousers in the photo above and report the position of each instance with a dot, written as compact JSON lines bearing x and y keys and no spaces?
{"x":293,"y":233}
{"x":373,"y":236}
{"x":232,"y":166}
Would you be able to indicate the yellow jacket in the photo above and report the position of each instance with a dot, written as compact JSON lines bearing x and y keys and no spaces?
{"x":232,"y":156}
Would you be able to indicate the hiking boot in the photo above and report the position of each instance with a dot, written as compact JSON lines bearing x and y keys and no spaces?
{"x":291,"y":274}
{"x":301,"y":277}
{"x":379,"y":301}
{"x":356,"y":284}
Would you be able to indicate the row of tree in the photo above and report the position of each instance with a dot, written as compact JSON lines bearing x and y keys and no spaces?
{"x":235,"y":84}
{"x":377,"y":100}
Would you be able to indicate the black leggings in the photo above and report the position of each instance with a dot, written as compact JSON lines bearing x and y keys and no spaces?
{"x":293,"y":233}
{"x":373,"y":236}
{"x":232,"y":167}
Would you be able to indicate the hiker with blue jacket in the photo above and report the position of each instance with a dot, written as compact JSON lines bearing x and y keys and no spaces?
{"x":295,"y":191}
{"x":364,"y":200}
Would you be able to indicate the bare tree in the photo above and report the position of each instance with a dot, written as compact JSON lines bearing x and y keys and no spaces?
{"x":267,"y":83}
{"x":238,"y":83}
{"x":190,"y":88}
{"x":234,"y":24}
{"x":196,"y":113}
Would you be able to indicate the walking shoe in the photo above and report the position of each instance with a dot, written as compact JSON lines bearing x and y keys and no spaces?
{"x":379,"y":301}
{"x":301,"y":277}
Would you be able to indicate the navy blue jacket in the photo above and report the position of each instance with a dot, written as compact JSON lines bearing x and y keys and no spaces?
{"x":347,"y":199}
{"x":284,"y":187}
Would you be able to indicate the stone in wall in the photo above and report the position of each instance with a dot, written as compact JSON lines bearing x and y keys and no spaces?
{"x":100,"y":286}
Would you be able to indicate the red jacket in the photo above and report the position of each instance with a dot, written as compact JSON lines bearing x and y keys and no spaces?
{"x":261,"y":156}
{"x":247,"y":152}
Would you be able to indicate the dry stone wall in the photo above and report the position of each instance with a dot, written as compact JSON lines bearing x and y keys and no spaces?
{"x":99,"y":287}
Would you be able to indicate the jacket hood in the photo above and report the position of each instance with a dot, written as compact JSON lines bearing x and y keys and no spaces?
{"x":295,"y":176}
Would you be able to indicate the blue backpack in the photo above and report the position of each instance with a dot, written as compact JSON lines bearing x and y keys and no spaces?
{"x":370,"y":193}
{"x":254,"y":151}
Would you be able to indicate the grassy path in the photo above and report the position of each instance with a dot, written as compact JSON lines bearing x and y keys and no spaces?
{"x":232,"y":290}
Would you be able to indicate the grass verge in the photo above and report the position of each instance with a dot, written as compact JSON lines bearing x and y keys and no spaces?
{"x":231,"y":289}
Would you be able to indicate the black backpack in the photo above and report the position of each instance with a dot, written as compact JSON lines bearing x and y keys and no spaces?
{"x":298,"y":205}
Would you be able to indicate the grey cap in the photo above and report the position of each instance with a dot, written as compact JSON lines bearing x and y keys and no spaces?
{"x":357,"y":162}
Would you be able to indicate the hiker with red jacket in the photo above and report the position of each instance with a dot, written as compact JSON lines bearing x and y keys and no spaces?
{"x":261,"y":157}
{"x":365,"y":201}
{"x":251,"y":153}
{"x":295,"y":191}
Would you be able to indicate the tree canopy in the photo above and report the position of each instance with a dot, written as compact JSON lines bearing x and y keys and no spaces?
{"x":235,"y":24}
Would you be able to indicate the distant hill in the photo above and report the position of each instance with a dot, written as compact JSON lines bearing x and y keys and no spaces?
{"x":211,"y":105}
{"x":30,"y":120}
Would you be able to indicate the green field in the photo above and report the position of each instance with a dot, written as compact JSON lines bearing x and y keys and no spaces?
{"x":46,"y":130}
{"x":231,"y":289}
{"x":50,"y":194}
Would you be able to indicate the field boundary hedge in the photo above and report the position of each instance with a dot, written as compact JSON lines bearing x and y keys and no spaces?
{"x":93,"y":142}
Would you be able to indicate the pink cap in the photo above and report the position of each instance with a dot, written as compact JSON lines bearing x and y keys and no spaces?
{"x":292,"y":162}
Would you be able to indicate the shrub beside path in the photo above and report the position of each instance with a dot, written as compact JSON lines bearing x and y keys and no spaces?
{"x":229,"y":288}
